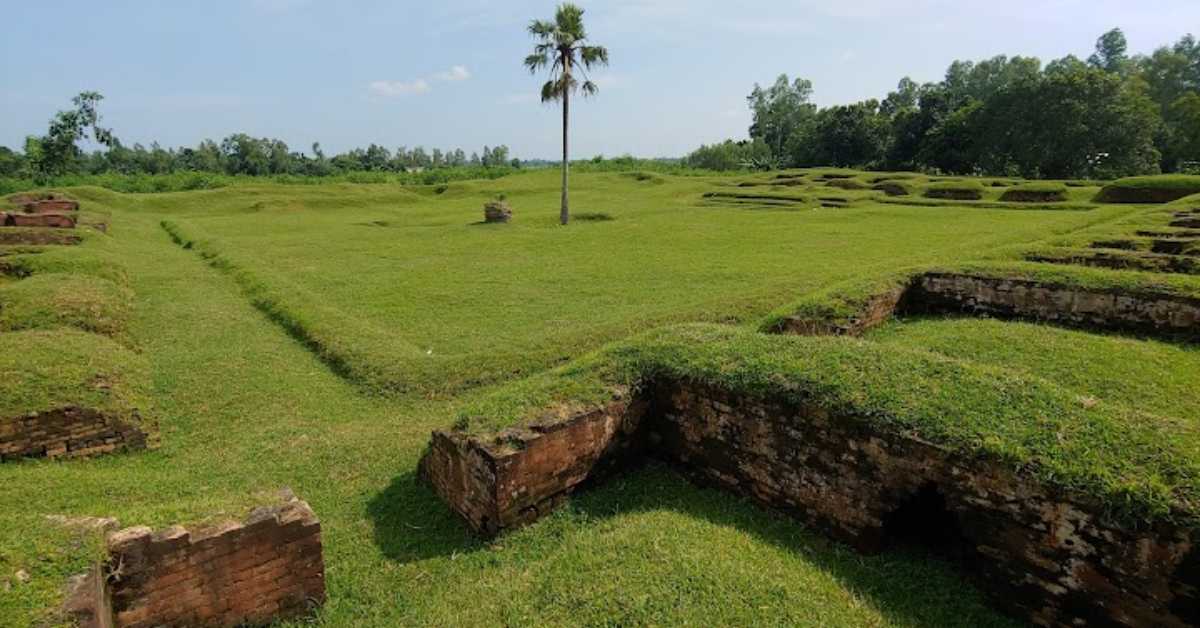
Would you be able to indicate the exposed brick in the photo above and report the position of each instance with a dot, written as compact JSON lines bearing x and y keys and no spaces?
{"x":1152,"y":313}
{"x":1052,"y":557}
{"x":229,"y":575}
{"x":68,"y":432}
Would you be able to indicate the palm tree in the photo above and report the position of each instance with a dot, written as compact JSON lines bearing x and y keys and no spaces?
{"x":562,"y":45}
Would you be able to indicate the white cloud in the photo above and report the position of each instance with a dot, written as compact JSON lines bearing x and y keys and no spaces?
{"x":398,"y":88}
{"x":456,"y":73}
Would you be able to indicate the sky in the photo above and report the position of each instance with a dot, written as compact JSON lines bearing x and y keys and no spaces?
{"x":448,"y":73}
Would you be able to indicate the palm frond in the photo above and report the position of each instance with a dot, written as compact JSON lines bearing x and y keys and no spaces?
{"x":589,"y":88}
{"x":542,"y":28}
{"x":593,"y":55}
{"x":536,"y":61}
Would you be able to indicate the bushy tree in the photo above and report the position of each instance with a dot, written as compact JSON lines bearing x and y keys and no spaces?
{"x":56,"y":152}
{"x":781,"y":112}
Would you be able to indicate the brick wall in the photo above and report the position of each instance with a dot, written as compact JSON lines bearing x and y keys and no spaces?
{"x":1151,"y":313}
{"x":1156,"y":314}
{"x":1044,"y":555}
{"x":70,"y":432}
{"x":265,"y":568}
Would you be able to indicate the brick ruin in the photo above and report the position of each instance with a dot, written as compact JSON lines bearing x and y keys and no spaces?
{"x":68,"y":432}
{"x":1041,"y":554}
{"x":55,"y":221}
{"x":1152,"y":313}
{"x":265,"y":568}
{"x":49,"y":210}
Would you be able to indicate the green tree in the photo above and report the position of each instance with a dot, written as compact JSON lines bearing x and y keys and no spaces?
{"x":781,"y":112}
{"x":1111,"y":52}
{"x":1183,"y":122}
{"x":562,"y":46}
{"x":55,"y":153}
{"x":850,"y":135}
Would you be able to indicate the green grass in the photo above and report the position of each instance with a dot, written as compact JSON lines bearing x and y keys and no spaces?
{"x":43,"y":370}
{"x":1152,"y":376}
{"x":59,"y":299}
{"x":245,"y":409}
{"x":1150,"y":189}
{"x":402,"y":291}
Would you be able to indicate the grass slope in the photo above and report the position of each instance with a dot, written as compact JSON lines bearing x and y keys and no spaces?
{"x":44,"y":370}
{"x":402,"y":291}
{"x":246,"y":410}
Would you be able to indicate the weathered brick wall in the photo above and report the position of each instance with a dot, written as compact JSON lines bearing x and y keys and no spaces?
{"x":519,"y":475}
{"x":265,"y":568}
{"x":1151,"y":313}
{"x":58,"y":221}
{"x":70,"y":432}
{"x":1161,"y":314}
{"x":1043,"y":555}
{"x":1046,"y":556}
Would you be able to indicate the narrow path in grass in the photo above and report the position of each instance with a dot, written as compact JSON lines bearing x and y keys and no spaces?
{"x":245,"y":410}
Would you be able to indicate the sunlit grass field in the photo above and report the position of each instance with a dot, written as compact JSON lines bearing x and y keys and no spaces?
{"x":313,"y":336}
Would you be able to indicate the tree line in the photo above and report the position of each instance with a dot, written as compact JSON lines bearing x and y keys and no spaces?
{"x":1107,"y":116}
{"x":58,"y":153}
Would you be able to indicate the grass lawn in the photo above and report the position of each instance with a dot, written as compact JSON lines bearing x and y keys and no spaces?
{"x":404,"y":290}
{"x":400,"y":291}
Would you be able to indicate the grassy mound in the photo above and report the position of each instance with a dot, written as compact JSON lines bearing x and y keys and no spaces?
{"x":892,"y":188}
{"x":1153,"y":376}
{"x":50,"y":300}
{"x":1150,"y":189}
{"x":1036,"y":192}
{"x":847,"y":184}
{"x":42,"y":370}
{"x":955,"y":190}
{"x":1142,"y":466}
{"x":95,"y":258}
{"x":35,"y":236}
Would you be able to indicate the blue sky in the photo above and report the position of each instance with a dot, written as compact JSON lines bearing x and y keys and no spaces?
{"x":448,"y":73}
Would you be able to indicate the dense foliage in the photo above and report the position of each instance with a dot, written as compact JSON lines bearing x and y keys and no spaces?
{"x":1112,"y":115}
{"x":57,"y":154}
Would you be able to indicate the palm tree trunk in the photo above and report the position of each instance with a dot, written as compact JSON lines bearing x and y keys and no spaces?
{"x":565,"y":215}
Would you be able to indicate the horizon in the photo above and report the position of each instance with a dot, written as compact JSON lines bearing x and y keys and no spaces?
{"x":459,"y":72}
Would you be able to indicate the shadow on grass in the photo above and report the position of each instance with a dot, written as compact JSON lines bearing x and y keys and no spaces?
{"x":412,"y":523}
{"x":909,"y":586}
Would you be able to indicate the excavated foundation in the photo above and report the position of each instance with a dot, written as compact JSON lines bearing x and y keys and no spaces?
{"x":1041,"y":554}
{"x":1160,"y":314}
